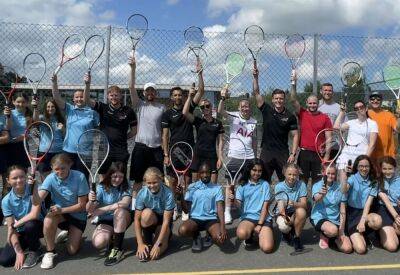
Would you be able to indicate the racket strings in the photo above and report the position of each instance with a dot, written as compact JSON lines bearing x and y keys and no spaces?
{"x":391,"y":75}
{"x":94,"y":48}
{"x":73,"y":46}
{"x":32,"y":141}
{"x":234,"y":64}
{"x":295,"y":46}
{"x":93,"y":149}
{"x":194,"y":37}
{"x":351,"y":74}
{"x":34,"y":66}
{"x":137,"y":26}
{"x":181,"y":157}
{"x":196,"y":59}
{"x":254,"y":38}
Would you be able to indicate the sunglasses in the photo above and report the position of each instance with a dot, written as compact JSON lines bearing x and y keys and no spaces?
{"x":375,"y":98}
{"x":205,"y":106}
{"x":359,"y":108}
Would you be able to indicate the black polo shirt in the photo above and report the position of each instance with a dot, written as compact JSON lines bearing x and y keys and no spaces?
{"x":276,"y":128}
{"x":180,"y":128}
{"x":115,"y":123}
{"x":207,"y":134}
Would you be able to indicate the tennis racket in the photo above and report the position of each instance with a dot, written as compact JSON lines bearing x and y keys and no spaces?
{"x":234,"y":65}
{"x":391,"y":76}
{"x":93,"y":50}
{"x":295,"y":46}
{"x":8,"y":84}
{"x":181,"y":157}
{"x":280,"y":199}
{"x":254,"y":40}
{"x":196,"y":59}
{"x":93,"y":149}
{"x":38,"y":137}
{"x":72,"y":48}
{"x":194,"y":39}
{"x":351,"y":75}
{"x":136,"y":28}
{"x":233,"y":159}
{"x":34,"y":66}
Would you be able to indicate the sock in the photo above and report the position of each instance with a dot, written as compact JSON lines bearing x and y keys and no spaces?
{"x":118,"y":239}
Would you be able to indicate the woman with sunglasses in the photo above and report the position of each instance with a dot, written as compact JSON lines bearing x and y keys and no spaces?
{"x":361,"y":138}
{"x":209,"y":137}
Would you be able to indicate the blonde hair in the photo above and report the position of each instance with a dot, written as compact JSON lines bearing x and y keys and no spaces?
{"x":291,"y":165}
{"x":153,"y":171}
{"x":62,"y":158}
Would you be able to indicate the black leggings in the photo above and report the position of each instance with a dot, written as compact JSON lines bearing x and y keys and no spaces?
{"x":28,"y":239}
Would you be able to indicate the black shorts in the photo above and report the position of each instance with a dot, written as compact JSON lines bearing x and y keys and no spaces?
{"x":234,"y":166}
{"x":110,"y":222}
{"x":45,"y":165}
{"x":353,"y":217}
{"x":3,"y":159}
{"x":255,"y":222}
{"x":204,"y":224}
{"x":110,"y":159}
{"x":69,"y":220}
{"x":318,"y":226}
{"x":144,"y":157}
{"x":274,"y":161}
{"x":16,"y":155}
{"x":387,"y":219}
{"x":310,"y":165}
{"x":199,"y":159}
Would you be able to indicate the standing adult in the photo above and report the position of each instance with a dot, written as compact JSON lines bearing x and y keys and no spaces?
{"x":327,"y":104}
{"x":388,"y":125}
{"x":311,"y":121}
{"x":278,"y":124}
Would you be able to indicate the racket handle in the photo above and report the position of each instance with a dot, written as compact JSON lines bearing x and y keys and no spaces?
{"x":325,"y":179}
{"x":93,"y":187}
{"x":57,"y":70}
{"x":398,"y":104}
{"x":293,"y":77}
{"x":232,"y":188}
{"x":349,"y":163}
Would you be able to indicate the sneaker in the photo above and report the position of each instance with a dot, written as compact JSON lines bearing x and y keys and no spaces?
{"x":95,"y":220}
{"x":31,"y":259}
{"x":176,"y":214}
{"x":228,"y":217}
{"x":249,"y":243}
{"x":48,"y":260}
{"x":62,"y":237}
{"x":197,"y":245}
{"x":323,"y":241}
{"x":298,"y":246}
{"x":114,"y":257}
{"x":185,"y":216}
{"x":207,"y":241}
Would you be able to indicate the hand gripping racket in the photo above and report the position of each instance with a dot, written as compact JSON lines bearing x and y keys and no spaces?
{"x":72,"y":48}
{"x":181,"y":157}
{"x":34,"y":66}
{"x":8,"y":83}
{"x":280,"y":199}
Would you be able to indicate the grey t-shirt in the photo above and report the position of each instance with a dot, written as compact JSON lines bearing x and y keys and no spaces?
{"x":331,"y":110}
{"x":149,"y":123}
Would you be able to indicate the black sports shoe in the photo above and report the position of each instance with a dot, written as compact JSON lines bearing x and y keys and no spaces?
{"x":197,"y":245}
{"x":298,"y":246}
{"x":31,"y":259}
{"x":114,"y":257}
{"x":287,"y":238}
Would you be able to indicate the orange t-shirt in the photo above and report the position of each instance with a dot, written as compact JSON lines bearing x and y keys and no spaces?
{"x":386,"y":141}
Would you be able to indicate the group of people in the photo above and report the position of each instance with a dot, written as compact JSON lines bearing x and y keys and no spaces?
{"x":353,"y":201}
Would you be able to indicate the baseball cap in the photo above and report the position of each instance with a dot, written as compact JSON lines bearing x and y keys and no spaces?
{"x":149,"y":85}
{"x":375,"y":94}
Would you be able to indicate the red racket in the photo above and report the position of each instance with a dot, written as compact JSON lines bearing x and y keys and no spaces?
{"x":181,"y":157}
{"x":72,"y":48}
{"x":8,"y":84}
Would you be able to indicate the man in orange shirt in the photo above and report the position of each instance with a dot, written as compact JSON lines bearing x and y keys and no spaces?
{"x":388,"y":125}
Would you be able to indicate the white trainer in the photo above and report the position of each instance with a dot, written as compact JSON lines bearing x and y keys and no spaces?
{"x":48,"y":260}
{"x":185,"y":216}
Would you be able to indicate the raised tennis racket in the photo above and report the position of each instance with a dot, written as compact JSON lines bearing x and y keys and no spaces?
{"x":351,"y":75}
{"x":34,"y":66}
{"x":136,"y":27}
{"x":391,"y":76}
{"x":196,"y":55}
{"x":295,"y":46}
{"x":72,"y":48}
{"x":234,"y":65}
{"x":93,"y":50}
{"x":233,"y":160}
{"x":254,"y":40}
{"x":38,"y":139}
{"x":8,"y":83}
{"x":93,"y":149}
{"x":181,"y":157}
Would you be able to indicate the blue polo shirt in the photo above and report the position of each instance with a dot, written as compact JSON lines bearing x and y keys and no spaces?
{"x":253,"y":195}
{"x":66,"y":192}
{"x":107,"y":197}
{"x":58,"y":137}
{"x":159,"y":202}
{"x":18,"y":124}
{"x":17,"y":206}
{"x":2,"y":123}
{"x":360,"y":190}
{"x":204,"y":198}
{"x":78,"y":120}
{"x":329,"y":207}
{"x":392,"y":189}
{"x":296,"y":192}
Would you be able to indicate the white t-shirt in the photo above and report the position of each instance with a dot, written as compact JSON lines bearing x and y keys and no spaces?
{"x":331,"y":110}
{"x":149,"y":123}
{"x":243,"y":130}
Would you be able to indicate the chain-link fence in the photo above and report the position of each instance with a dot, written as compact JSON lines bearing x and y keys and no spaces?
{"x":161,"y":58}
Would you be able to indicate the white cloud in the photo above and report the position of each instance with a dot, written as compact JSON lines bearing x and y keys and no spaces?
{"x":172,"y":2}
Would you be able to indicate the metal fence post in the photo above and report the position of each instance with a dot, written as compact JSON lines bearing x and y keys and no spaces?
{"x":107,"y":67}
{"x":315,"y":65}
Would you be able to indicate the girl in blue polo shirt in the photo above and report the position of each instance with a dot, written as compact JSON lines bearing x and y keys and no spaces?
{"x":389,"y":195}
{"x":20,"y":118}
{"x":24,"y":223}
{"x":204,"y":201}
{"x":297,"y":206}
{"x":69,"y":194}
{"x":52,"y":115}
{"x":361,"y":188}
{"x":253,"y":197}
{"x":328,"y":215}
{"x":111,"y":203}
{"x":154,"y":208}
